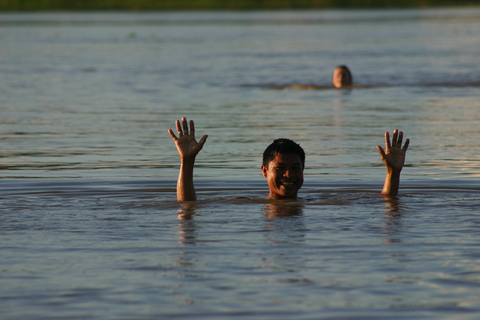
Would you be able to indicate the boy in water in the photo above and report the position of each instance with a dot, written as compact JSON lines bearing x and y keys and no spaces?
{"x":342,"y":77}
{"x":283,"y":163}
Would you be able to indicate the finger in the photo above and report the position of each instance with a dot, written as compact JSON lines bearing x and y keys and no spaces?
{"x":400,"y":138}
{"x":202,"y":141}
{"x":387,"y":140}
{"x":405,"y":147}
{"x":179,"y":128}
{"x":174,"y":137}
{"x":381,"y":151}
{"x":394,"y":138}
{"x":185,"y":126}
{"x":192,"y":128}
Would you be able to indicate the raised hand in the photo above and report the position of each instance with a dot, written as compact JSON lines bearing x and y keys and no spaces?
{"x":394,"y":155}
{"x":187,"y":148}
{"x":186,"y":144}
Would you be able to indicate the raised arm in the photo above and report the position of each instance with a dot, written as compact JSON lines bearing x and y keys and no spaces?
{"x":187,"y":148}
{"x":394,"y":158}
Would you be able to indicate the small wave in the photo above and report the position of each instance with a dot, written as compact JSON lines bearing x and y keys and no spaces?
{"x":300,"y":86}
{"x":211,"y":189}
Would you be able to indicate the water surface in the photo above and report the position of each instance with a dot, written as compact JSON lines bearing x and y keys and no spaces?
{"x":89,"y":224}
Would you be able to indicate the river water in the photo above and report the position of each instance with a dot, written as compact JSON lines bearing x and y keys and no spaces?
{"x":89,"y":223}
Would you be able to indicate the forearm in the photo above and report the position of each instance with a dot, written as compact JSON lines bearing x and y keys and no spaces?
{"x":392,"y":182}
{"x":185,"y":187}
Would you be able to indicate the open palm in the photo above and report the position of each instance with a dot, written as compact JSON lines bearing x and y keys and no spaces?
{"x":394,"y":155}
{"x":187,"y":145}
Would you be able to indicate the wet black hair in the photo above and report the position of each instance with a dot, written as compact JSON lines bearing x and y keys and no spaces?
{"x":283,"y":146}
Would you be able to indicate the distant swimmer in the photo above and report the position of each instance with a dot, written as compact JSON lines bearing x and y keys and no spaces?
{"x":342,"y":77}
{"x":283,"y":163}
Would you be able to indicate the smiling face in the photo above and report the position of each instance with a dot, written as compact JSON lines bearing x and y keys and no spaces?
{"x":284,"y":174}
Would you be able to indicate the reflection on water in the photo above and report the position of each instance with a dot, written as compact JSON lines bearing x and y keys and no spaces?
{"x":393,"y":217}
{"x":285,"y":226}
{"x":283,"y":209}
{"x":186,"y":211}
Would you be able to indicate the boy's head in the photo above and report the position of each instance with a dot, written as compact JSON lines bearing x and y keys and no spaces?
{"x":282,"y":165}
{"x":342,"y":77}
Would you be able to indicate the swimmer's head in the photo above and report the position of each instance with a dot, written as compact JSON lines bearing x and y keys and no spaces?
{"x":282,"y":166}
{"x":342,"y":77}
